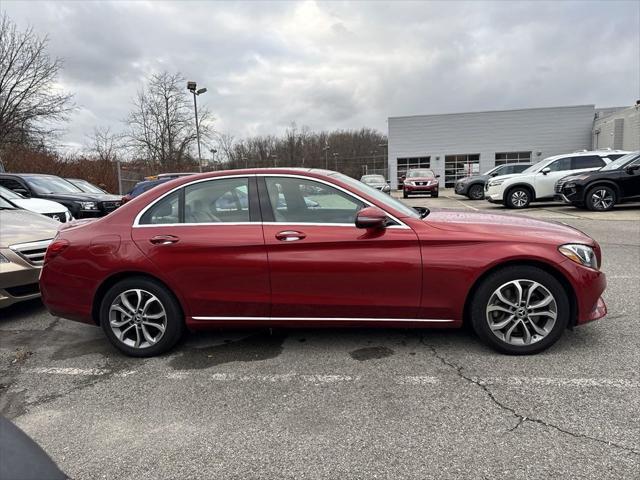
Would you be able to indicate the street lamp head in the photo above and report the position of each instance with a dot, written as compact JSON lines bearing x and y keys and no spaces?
{"x":191,"y":86}
{"x":202,"y":90}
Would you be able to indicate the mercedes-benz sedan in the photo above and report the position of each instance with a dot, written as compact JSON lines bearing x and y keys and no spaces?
{"x":316,"y":248}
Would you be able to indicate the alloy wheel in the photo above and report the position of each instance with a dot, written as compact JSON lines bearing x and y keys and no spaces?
{"x":476,"y":192}
{"x":519,"y":198}
{"x":137,"y":318}
{"x":521,"y":312}
{"x":602,"y":199}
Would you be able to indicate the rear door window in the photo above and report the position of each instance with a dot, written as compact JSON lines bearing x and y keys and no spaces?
{"x":587,"y":161}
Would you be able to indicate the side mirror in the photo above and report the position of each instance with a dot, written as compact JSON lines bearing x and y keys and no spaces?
{"x":22,"y":191}
{"x":389,"y":182}
{"x":371,"y":218}
{"x":632,"y":169}
{"x":545,"y":170}
{"x":437,"y":176}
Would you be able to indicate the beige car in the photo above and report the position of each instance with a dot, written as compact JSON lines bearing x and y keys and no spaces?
{"x":24,"y":237}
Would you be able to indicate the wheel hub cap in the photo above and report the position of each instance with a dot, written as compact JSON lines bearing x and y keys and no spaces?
{"x":137,"y":318}
{"x":521,"y":312}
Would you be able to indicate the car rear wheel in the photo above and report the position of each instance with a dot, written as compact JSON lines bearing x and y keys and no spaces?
{"x":520,"y":310}
{"x":601,"y":198}
{"x":476,"y":192}
{"x":141,"y":317}
{"x":518,"y":197}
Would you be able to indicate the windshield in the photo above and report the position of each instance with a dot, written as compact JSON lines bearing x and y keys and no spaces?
{"x":369,"y":179}
{"x":494,"y":169}
{"x":420,"y":173}
{"x":381,"y":197}
{"x":9,"y":194}
{"x":621,"y":162}
{"x":86,"y":186}
{"x":51,"y":185}
{"x":535,"y":167}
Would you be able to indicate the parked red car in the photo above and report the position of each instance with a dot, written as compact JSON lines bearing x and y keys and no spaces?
{"x":420,"y":181}
{"x":316,"y":248}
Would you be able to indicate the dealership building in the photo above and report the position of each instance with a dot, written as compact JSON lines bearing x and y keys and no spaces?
{"x":459,"y":144}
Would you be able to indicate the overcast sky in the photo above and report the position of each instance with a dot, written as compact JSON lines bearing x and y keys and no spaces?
{"x":332,"y":65}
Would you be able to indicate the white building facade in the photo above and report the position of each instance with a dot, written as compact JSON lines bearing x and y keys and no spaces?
{"x":459,"y":144}
{"x":618,"y":130}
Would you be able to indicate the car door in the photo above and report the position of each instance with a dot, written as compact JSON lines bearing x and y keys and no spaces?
{"x":629,"y":180}
{"x":323,"y":267}
{"x":545,"y":182}
{"x":207,"y":239}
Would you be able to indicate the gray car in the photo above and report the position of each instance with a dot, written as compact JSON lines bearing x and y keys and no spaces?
{"x":376,"y":181}
{"x":24,"y":237}
{"x":473,"y":187}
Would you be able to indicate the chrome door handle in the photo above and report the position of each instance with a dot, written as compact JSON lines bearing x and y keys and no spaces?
{"x":164,"y":239}
{"x":290,"y":236}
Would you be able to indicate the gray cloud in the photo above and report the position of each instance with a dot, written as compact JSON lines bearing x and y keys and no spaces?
{"x":341,"y":65}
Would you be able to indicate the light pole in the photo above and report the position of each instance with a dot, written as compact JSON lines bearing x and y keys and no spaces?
{"x":335,"y":161}
{"x":325,"y":149}
{"x":213,"y":157}
{"x":191,"y":86}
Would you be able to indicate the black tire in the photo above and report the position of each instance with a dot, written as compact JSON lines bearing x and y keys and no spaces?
{"x":600,"y":198}
{"x":484,"y":293}
{"x":476,"y":192}
{"x":405,"y":194}
{"x":173,"y":313}
{"x":434,"y":194}
{"x":518,"y":197}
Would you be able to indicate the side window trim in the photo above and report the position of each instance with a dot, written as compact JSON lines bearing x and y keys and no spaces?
{"x":267,"y":212}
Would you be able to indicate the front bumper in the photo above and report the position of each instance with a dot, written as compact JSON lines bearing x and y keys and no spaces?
{"x":18,"y":279}
{"x":494,"y":194}
{"x":421,"y":188}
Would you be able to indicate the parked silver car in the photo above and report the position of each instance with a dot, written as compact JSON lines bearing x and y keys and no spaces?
{"x":376,"y":181}
{"x":24,"y":237}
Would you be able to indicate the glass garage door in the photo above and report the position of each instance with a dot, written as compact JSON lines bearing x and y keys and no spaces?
{"x":460,"y":166}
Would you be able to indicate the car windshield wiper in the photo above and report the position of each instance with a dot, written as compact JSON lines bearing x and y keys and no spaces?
{"x":423,"y":211}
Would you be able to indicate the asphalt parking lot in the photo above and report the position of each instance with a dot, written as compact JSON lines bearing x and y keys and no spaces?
{"x":364,"y":403}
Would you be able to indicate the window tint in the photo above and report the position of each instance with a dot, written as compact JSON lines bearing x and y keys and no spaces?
{"x":296,"y":200}
{"x":10,"y":183}
{"x":587,"y":161}
{"x":166,"y":210}
{"x":224,"y":200}
{"x":560,"y":164}
{"x":519,"y":168}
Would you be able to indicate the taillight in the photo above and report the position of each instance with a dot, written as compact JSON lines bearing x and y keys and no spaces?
{"x":55,"y":248}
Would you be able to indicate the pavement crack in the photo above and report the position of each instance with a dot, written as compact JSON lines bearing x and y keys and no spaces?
{"x":521,"y":418}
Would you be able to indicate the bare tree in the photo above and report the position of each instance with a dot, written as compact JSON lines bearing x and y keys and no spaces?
{"x":161,"y":126}
{"x":30,"y":104}
{"x":105,"y":144}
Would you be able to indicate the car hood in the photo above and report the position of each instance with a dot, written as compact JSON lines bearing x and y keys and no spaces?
{"x":506,"y":177}
{"x":585,"y":175}
{"x":39,"y":205}
{"x":514,"y":227}
{"x":83,"y":197}
{"x":419,"y":179}
{"x":474,"y":178}
{"x":21,"y":226}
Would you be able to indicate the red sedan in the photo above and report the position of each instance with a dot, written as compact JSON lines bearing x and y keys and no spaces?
{"x":289,"y":247}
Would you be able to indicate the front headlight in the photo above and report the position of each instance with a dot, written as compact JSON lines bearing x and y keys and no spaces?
{"x":408,"y":183}
{"x":88,"y":205}
{"x":569,"y":185}
{"x":494,"y":183}
{"x":4,"y":259}
{"x":581,"y":254}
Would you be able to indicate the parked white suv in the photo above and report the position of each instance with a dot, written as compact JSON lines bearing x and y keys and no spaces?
{"x":537,"y":182}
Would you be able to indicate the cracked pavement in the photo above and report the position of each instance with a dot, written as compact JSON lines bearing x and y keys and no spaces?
{"x":329,"y":403}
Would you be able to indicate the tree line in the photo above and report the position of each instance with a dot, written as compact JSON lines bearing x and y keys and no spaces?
{"x":159,"y":133}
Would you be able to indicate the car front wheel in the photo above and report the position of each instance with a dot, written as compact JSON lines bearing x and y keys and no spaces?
{"x":140,"y":317}
{"x":518,"y":198}
{"x":476,"y":192}
{"x":601,"y":198}
{"x":520,"y":310}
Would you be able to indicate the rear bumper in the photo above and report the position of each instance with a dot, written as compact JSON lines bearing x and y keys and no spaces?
{"x":67,"y":296}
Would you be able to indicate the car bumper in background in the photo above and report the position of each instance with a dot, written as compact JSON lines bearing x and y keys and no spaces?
{"x":18,"y":279}
{"x":494,"y":194}
{"x":461,"y":188}
{"x":420,"y":188}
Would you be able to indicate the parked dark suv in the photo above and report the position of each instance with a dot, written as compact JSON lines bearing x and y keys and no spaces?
{"x":50,"y":187}
{"x":617,"y":182}
{"x":473,"y":187}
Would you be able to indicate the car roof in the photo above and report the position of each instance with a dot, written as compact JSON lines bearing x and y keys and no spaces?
{"x":581,"y":153}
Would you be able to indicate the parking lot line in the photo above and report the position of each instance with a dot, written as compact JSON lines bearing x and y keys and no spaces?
{"x":324,"y":378}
